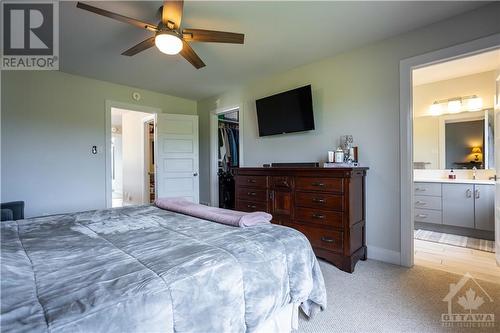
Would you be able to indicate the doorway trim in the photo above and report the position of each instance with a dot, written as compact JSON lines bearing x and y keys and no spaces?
{"x":406,"y":66}
{"x":214,"y":188}
{"x":109,"y":104}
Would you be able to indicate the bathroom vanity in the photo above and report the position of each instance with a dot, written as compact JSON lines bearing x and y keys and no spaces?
{"x":462,"y":206}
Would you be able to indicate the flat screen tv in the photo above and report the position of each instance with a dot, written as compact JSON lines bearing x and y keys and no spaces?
{"x":286,"y":112}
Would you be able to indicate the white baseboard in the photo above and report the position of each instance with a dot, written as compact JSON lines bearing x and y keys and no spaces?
{"x":381,"y":254}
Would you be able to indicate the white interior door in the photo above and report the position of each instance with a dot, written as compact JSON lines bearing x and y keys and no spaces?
{"x":177,"y":157}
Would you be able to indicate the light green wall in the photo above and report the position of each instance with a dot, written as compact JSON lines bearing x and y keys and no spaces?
{"x":354,"y":93}
{"x":50,"y":120}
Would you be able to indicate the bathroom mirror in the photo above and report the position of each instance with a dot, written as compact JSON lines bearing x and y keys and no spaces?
{"x":459,"y":141}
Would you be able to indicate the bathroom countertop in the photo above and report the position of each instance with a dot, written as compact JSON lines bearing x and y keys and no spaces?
{"x":455,"y":181}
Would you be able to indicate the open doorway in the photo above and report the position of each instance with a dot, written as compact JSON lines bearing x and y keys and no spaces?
{"x":132,"y":157}
{"x":226,"y":154}
{"x":454,"y":107}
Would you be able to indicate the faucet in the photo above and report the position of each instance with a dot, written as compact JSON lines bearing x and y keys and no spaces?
{"x":474,"y":171}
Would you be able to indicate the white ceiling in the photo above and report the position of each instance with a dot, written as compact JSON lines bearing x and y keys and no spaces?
{"x":479,"y":63}
{"x":279,"y":36}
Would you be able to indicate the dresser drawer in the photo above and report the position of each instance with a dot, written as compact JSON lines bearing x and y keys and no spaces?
{"x":252,"y":194}
{"x":432,"y":189}
{"x":321,"y":238}
{"x":318,"y":216}
{"x":319,"y":200}
{"x":427,"y":202}
{"x":429,"y":216}
{"x":254,"y":181}
{"x":251,"y":206}
{"x":319,"y":184}
{"x":281,"y":182}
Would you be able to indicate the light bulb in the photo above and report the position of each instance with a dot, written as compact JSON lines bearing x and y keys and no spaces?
{"x":475,"y":103}
{"x":454,"y":106}
{"x":435,"y":109}
{"x":168,"y":43}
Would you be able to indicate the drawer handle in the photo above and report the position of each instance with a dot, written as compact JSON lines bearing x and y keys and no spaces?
{"x":423,"y":216}
{"x":422,"y":203}
{"x":251,"y":193}
{"x":253,"y":181}
{"x":327,"y":239}
{"x":318,"y":216}
{"x":319,"y":184}
{"x":420,"y":189}
{"x":251,"y":206}
{"x":318,"y":200}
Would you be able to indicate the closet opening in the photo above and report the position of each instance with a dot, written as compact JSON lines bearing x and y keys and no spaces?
{"x":226,"y":156}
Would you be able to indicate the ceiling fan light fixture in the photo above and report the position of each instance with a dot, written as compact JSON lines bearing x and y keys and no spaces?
{"x":168,"y":43}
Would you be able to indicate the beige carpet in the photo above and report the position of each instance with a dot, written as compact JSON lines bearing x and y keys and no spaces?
{"x":380,"y":297}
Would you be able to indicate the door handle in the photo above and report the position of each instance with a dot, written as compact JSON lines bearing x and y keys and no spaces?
{"x":420,"y":189}
{"x":423,"y":216}
{"x":423,"y":203}
{"x":195,"y":174}
{"x":468,"y":193}
{"x":478,"y":194}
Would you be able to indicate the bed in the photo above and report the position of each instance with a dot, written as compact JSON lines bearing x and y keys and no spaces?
{"x":144,"y":269}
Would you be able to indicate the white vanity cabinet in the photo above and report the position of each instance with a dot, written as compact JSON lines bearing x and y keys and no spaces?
{"x":455,"y":204}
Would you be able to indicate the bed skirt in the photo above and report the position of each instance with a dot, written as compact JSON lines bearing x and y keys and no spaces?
{"x":286,"y":320}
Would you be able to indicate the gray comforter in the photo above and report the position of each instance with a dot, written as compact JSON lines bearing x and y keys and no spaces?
{"x":143,"y":269}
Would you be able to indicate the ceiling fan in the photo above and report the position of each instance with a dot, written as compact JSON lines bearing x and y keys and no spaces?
{"x":169,"y":38}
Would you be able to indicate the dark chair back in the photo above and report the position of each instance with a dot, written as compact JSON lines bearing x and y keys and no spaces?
{"x":12,"y":210}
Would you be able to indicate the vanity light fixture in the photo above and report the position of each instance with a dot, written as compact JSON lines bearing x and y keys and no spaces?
{"x":456,"y":105}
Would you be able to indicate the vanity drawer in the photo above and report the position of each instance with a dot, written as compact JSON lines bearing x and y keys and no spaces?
{"x":428,"y":216}
{"x":319,"y":200}
{"x":254,"y":181}
{"x":252,"y":194}
{"x":427,"y":202}
{"x":318,"y":216}
{"x":319,"y":184}
{"x":321,"y":238}
{"x":251,"y":206}
{"x":432,"y":189}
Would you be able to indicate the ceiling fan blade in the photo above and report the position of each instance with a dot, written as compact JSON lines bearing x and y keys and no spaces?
{"x":200,"y":35}
{"x":138,"y":23}
{"x":144,"y":45}
{"x":191,"y":56}
{"x":171,"y":15}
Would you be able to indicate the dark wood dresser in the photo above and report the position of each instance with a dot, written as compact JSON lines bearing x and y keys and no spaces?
{"x":325,"y":204}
